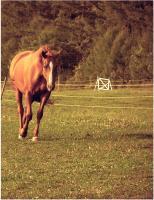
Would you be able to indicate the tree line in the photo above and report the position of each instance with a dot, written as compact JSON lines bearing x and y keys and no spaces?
{"x":99,"y":38}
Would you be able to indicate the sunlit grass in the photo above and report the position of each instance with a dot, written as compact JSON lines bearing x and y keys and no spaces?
{"x":82,"y":152}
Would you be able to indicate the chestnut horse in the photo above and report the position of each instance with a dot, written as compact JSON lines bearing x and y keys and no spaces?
{"x":33,"y":74}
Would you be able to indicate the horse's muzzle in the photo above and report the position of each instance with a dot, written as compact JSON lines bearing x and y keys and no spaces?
{"x":50,"y":87}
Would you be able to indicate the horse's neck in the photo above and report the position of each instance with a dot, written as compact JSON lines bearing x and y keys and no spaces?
{"x":40,"y":83}
{"x":39,"y":51}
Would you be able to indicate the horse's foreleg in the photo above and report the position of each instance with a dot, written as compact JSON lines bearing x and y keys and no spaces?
{"x":27,"y":114}
{"x":24,"y":116}
{"x":39,"y":117}
{"x":20,"y":108}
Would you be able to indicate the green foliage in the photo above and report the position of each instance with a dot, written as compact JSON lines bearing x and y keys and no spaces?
{"x":141,"y":61}
{"x":114,"y":53}
{"x":103,"y":38}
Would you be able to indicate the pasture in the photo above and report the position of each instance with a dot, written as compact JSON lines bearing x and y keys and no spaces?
{"x":90,"y":147}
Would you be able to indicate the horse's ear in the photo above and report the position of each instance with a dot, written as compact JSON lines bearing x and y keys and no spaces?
{"x":57,"y":53}
{"x":44,"y":53}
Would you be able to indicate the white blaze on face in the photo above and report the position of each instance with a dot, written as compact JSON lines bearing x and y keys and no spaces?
{"x":50,"y":76}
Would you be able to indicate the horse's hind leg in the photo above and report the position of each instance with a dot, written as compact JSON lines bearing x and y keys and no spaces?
{"x":20,"y":109}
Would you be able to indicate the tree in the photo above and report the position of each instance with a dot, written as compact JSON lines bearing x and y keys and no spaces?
{"x":104,"y":38}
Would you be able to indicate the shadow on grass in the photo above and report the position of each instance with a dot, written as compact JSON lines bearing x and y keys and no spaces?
{"x":149,"y":146}
{"x":140,"y":136}
{"x":91,"y":137}
{"x":72,"y":138}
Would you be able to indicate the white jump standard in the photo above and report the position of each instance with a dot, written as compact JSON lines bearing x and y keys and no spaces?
{"x":103,"y":84}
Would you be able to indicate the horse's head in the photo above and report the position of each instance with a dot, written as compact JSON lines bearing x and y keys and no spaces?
{"x":50,"y":61}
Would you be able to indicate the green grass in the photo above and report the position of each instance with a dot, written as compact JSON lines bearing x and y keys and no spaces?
{"x":82,"y":152}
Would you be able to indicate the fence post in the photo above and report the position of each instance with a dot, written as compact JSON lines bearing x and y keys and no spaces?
{"x":3,"y":87}
{"x":58,"y":82}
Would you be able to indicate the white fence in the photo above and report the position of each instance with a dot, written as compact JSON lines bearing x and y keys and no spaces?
{"x":92,"y":84}
{"x":9,"y":91}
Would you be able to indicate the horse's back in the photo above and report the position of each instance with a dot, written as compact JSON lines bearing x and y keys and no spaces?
{"x":15,"y":62}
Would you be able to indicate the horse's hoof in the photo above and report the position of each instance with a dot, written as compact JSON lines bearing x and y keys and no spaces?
{"x":23,"y":132}
{"x":34,"y":139}
{"x":20,"y":137}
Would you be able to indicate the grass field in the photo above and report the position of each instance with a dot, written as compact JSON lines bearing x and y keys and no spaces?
{"x":98,"y":152}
